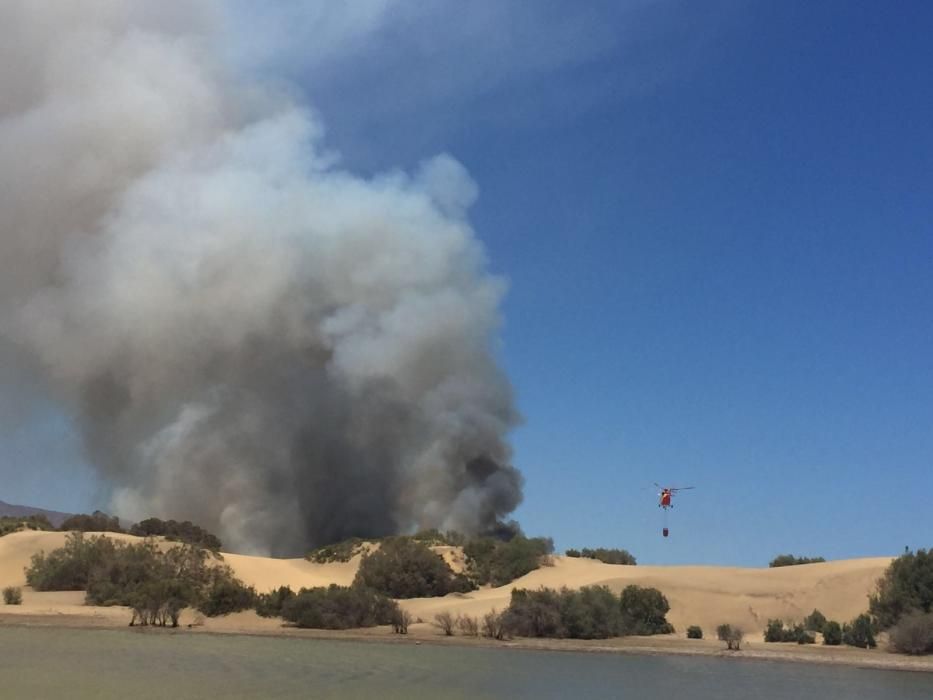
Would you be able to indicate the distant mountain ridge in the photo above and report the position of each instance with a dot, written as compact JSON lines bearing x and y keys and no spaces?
{"x":54,"y":516}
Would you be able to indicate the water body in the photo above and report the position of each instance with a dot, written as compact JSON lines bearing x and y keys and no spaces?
{"x":100,"y":664}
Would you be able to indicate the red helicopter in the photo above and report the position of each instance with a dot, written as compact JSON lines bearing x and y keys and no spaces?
{"x":665,"y":497}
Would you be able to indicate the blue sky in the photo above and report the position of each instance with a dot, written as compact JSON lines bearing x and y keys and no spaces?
{"x":716,"y":221}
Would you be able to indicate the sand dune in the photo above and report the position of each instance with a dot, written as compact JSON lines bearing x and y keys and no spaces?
{"x":265,"y":573}
{"x":699,"y":595}
{"x":17,"y":549}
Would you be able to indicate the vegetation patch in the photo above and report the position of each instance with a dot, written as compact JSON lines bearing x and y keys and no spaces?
{"x":592,"y":612}
{"x":495,"y":559}
{"x":777,"y":632}
{"x":340,"y":607}
{"x":271,"y":604}
{"x":156,"y":585}
{"x":913,"y":634}
{"x":13,"y":595}
{"x":859,"y":633}
{"x":98,"y":521}
{"x":905,"y":588}
{"x":815,"y":621}
{"x":791,"y":560}
{"x":445,"y":622}
{"x":832,"y":633}
{"x":493,"y":625}
{"x":175,"y":531}
{"x":731,"y":635}
{"x":405,"y":568}
{"x":498,"y":562}
{"x":607,"y":556}
{"x":339,"y":551}
{"x":644,"y":610}
{"x":436,"y":538}
{"x":12,"y":523}
{"x":468,"y":625}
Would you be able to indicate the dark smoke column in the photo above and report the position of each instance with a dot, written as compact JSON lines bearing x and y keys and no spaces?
{"x":247,"y":336}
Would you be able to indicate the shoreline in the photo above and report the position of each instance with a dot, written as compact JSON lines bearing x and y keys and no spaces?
{"x":424,"y":633}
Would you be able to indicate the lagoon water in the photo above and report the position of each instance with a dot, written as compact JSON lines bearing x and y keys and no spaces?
{"x":78,"y":664}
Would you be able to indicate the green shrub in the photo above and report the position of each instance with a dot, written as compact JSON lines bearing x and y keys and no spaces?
{"x":694,"y":632}
{"x":226,"y":595}
{"x":495,"y":560}
{"x":815,"y":621}
{"x":592,"y":612}
{"x":859,"y":633}
{"x":339,"y":607}
{"x":832,"y":633}
{"x":96,"y":522}
{"x":403,"y":568}
{"x":643,"y":611}
{"x":776,"y":632}
{"x":68,"y":568}
{"x":159,"y":602}
{"x":791,"y":560}
{"x":270,"y":604}
{"x":498,"y":562}
{"x":172,"y":530}
{"x":535,"y":613}
{"x":609,"y":556}
{"x":907,"y":585}
{"x":12,"y":523}
{"x":13,"y":595}
{"x":339,"y":551}
{"x":435,"y":537}
{"x":156,"y":585}
{"x":913,"y":634}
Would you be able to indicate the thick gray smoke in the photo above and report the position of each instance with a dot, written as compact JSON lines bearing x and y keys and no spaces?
{"x":246,"y":335}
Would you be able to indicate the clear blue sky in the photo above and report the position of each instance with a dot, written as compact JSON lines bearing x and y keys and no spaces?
{"x":716,"y":220}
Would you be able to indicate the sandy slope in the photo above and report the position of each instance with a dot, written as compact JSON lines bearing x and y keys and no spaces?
{"x":699,"y":595}
{"x":264,"y":573}
{"x":17,"y":549}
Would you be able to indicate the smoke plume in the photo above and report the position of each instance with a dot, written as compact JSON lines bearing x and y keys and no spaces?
{"x":246,"y":335}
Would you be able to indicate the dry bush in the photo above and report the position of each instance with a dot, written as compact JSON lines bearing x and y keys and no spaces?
{"x":401,"y":618}
{"x":469,"y":626}
{"x":445,"y":622}
{"x":913,"y":634}
{"x":13,"y":595}
{"x":494,"y":625}
{"x":732,"y":636}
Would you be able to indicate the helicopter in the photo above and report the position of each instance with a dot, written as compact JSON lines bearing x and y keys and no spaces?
{"x":665,"y":501}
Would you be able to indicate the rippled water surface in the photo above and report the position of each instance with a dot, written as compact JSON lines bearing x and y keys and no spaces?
{"x":70,"y":663}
